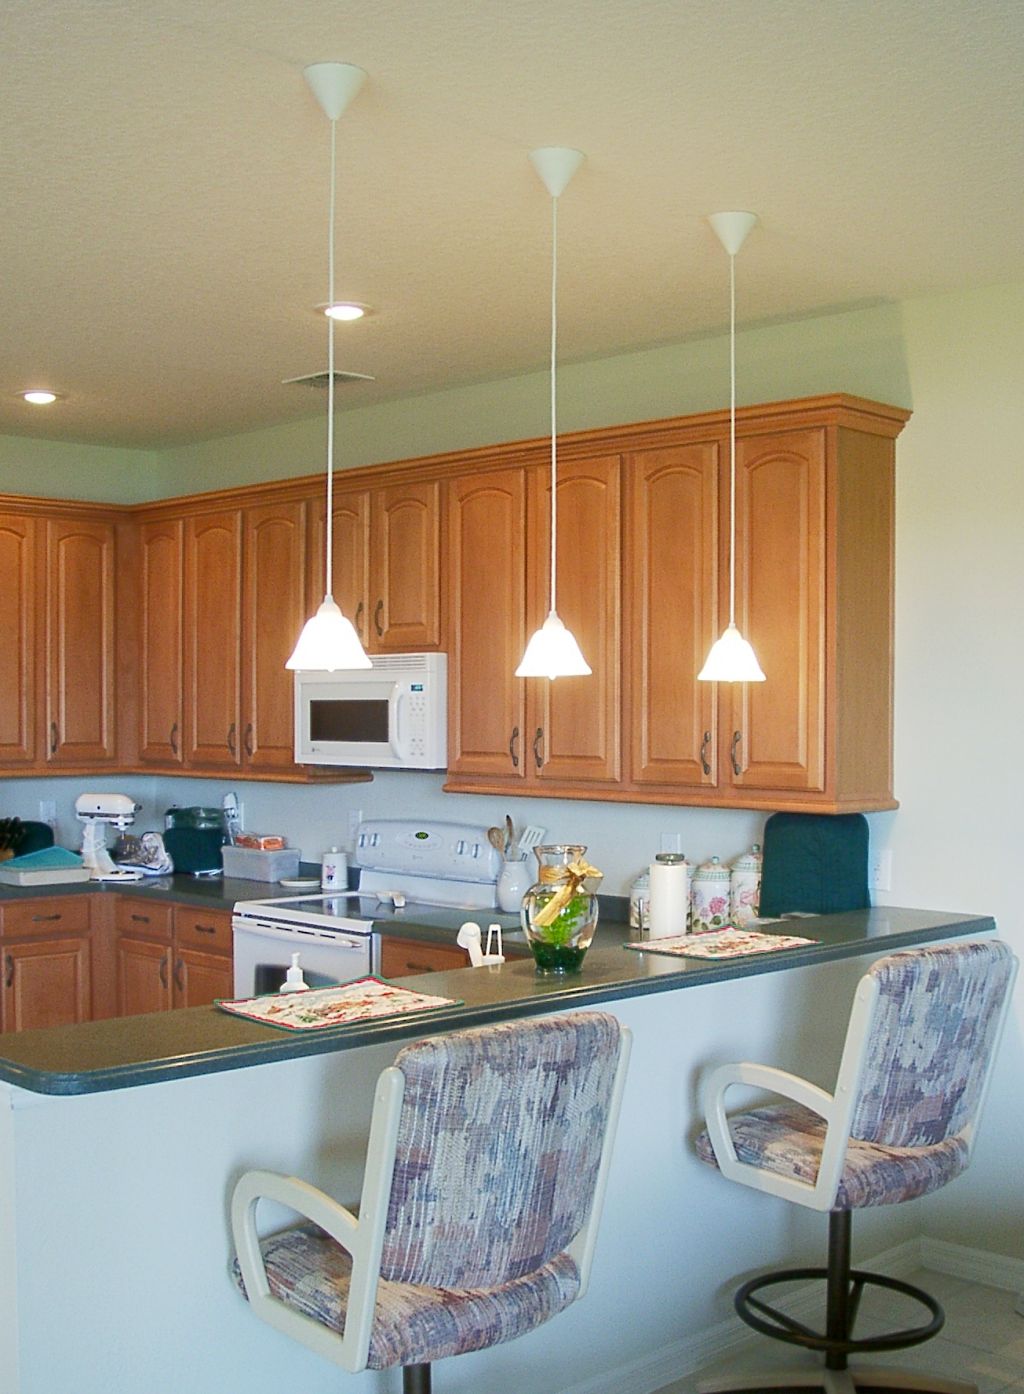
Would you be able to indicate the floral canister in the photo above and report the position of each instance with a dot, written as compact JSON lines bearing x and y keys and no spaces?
{"x":559,"y":913}
{"x":709,"y":897}
{"x":745,"y":886}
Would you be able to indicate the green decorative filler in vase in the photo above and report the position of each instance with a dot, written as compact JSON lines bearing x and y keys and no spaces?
{"x":559,"y":913}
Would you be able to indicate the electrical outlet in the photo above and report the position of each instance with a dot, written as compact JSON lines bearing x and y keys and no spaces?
{"x":355,"y":817}
{"x":671,"y":842}
{"x":880,"y":869}
{"x":48,"y":812}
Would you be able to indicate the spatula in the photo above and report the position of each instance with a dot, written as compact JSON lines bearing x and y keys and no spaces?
{"x":531,"y":836}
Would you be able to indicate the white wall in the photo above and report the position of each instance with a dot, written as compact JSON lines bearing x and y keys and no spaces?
{"x":960,"y":666}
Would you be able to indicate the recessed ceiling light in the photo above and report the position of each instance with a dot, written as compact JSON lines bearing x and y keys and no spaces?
{"x":344,"y":310}
{"x":39,"y":397}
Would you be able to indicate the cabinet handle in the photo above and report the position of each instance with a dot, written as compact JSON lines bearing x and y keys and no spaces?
{"x":140,"y":919}
{"x":205,"y":928}
{"x":163,"y":971}
{"x":737,"y":736}
{"x":412,"y":967}
{"x":513,"y":747}
{"x":9,"y":976}
{"x":248,"y":739}
{"x":704,"y":752}
{"x":37,"y":919}
{"x":53,"y":738}
{"x":231,"y":738}
{"x":359,"y":617}
{"x":376,"y":618}
{"x":174,"y":739}
{"x":179,"y":974}
{"x":538,"y":753}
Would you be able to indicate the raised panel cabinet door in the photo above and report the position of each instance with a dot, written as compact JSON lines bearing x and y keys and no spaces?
{"x":273,"y":613}
{"x":575,"y":723}
{"x":143,"y":976}
{"x":350,"y":541}
{"x":17,"y":640}
{"x":775,"y":735}
{"x":487,"y":598}
{"x":213,"y":630}
{"x":405,"y":559}
{"x":161,"y":668}
{"x":673,"y":613}
{"x":401,"y":958}
{"x":201,"y":978}
{"x":46,"y":982}
{"x":80,"y":614}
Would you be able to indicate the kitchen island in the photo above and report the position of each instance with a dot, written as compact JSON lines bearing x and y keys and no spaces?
{"x":120,"y":1142}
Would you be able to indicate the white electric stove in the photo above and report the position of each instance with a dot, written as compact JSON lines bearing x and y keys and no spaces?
{"x":403,"y":867}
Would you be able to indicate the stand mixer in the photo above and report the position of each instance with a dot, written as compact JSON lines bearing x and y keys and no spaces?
{"x":97,"y":812}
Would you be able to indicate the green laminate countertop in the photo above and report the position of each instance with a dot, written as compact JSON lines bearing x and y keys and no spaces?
{"x":174,"y":1045}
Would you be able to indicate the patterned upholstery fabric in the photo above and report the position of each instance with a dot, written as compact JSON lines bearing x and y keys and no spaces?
{"x":412,"y":1324}
{"x":499,"y":1145}
{"x":928,"y":1046}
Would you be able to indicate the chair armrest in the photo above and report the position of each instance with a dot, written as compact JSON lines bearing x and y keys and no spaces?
{"x":818,"y":1195}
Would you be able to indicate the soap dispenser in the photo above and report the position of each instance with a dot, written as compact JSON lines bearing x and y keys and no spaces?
{"x":293,"y":979}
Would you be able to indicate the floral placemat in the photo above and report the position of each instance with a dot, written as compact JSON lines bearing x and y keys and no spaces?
{"x":321,"y":1007}
{"x":720,"y":943}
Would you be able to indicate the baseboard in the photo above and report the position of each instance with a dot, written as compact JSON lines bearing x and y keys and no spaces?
{"x":683,"y":1358}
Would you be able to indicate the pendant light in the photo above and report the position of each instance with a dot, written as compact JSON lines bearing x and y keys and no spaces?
{"x":731,"y":658}
{"x":329,"y":641}
{"x":552,"y":651}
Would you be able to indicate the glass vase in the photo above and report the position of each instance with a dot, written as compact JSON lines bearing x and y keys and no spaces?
{"x":559,"y":936}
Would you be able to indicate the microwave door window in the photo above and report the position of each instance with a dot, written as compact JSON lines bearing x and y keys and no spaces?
{"x":362,"y":719}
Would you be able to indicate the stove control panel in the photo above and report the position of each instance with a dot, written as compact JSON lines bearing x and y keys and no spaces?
{"x":455,"y":851}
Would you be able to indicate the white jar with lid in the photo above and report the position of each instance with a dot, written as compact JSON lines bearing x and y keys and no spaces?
{"x":670,"y":895}
{"x":745,"y":886}
{"x":709,"y":897}
{"x":334,"y":870}
{"x":640,"y":902}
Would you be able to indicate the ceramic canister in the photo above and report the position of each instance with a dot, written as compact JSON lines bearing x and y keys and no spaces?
{"x":745,"y":886}
{"x":709,"y":897}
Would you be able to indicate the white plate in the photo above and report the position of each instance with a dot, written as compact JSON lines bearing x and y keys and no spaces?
{"x":299,"y":883}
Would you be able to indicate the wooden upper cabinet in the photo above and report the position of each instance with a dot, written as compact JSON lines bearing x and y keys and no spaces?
{"x":213,"y":630}
{"x":18,"y":714}
{"x":486,"y":578}
{"x":274,"y":610}
{"x":350,"y":537}
{"x":773,"y":734}
{"x":404,"y":598}
{"x":672,"y":580}
{"x":161,"y":648}
{"x":574,"y":723}
{"x":79,"y":649}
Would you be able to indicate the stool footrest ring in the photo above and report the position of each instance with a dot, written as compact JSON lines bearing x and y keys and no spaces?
{"x":771,"y":1322}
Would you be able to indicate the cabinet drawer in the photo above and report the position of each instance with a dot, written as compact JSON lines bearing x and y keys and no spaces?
{"x":143,"y":917}
{"x":203,"y":929}
{"x":46,"y":915}
{"x":400,"y":958}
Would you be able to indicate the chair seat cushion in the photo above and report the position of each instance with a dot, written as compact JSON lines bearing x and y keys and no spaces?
{"x":412,"y":1324}
{"x":787,"y":1139}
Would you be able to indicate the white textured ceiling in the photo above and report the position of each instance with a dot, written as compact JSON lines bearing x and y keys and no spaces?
{"x":163,"y":173}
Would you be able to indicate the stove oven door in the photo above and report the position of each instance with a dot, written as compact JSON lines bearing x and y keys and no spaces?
{"x":263,"y":955}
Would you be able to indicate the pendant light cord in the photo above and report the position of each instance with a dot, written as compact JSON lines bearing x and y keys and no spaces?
{"x":554,"y":428}
{"x":732,"y":438}
{"x":329,"y":521}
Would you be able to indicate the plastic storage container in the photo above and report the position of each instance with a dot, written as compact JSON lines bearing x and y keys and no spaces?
{"x":252,"y":865}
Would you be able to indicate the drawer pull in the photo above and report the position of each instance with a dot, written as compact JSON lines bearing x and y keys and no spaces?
{"x":538,"y":753}
{"x":205,"y":928}
{"x":704,"y":752}
{"x":231,"y":740}
{"x":163,"y":971}
{"x":174,"y":739}
{"x":737,"y":736}
{"x":39,"y":919}
{"x":53,"y":738}
{"x":411,"y":967}
{"x":179,"y":975}
{"x":359,"y":617}
{"x":376,"y":619}
{"x":140,"y":919}
{"x":248,"y":739}
{"x":9,"y":976}
{"x":513,"y":747}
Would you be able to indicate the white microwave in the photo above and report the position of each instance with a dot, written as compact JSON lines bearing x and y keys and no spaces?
{"x":392,"y":716}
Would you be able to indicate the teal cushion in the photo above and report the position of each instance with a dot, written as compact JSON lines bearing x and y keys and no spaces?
{"x":815,"y":862}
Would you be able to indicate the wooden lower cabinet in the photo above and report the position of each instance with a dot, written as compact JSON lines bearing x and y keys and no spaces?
{"x":47,"y":982}
{"x":170,"y":956}
{"x":143,"y":976}
{"x":401,"y":958}
{"x":200,"y":978}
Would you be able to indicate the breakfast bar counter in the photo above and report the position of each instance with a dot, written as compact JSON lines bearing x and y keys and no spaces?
{"x":121,"y":1141}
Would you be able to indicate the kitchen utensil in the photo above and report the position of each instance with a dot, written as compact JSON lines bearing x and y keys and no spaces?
{"x":531,"y":836}
{"x":510,"y":837}
{"x":496,"y":837}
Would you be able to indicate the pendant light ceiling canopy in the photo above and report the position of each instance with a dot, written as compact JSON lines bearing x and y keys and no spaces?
{"x":328,"y":640}
{"x":552,"y":651}
{"x":731,"y":658}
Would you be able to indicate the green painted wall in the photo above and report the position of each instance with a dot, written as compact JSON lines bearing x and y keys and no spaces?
{"x":58,"y":470}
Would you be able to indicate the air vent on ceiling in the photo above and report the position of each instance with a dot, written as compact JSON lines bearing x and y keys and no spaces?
{"x":320,"y":379}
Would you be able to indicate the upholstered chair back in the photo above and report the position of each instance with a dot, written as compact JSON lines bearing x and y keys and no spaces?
{"x":493,"y":1179}
{"x":930,"y":1040}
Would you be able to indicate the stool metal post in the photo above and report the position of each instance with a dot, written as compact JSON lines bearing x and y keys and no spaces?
{"x":415,"y":1379}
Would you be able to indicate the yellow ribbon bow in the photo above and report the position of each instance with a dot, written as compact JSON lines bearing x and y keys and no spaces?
{"x":569,"y":879}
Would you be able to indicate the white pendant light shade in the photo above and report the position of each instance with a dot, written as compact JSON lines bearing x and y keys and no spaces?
{"x":328,"y":641}
{"x":553,"y":653}
{"x":731,"y":658}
